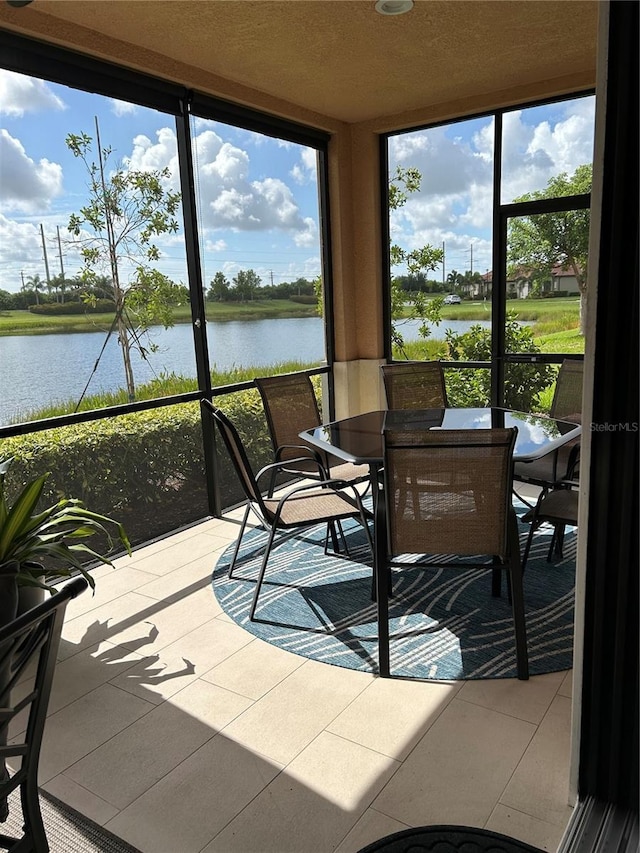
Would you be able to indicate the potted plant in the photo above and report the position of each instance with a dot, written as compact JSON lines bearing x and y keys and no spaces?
{"x":39,"y":548}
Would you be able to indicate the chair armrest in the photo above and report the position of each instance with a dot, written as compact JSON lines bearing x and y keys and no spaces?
{"x":311,"y":454}
{"x":280,"y":466}
{"x":340,"y":486}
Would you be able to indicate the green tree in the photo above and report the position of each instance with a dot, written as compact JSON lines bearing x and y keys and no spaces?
{"x":219,"y":288}
{"x":542,"y":241}
{"x":404,"y":182}
{"x":34,"y":284}
{"x":127,"y":208}
{"x":245,"y":284}
{"x":523,"y":382}
{"x":6,"y":300}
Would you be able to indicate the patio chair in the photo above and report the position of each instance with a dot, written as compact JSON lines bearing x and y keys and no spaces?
{"x":559,"y":507}
{"x":562,"y":463}
{"x":322,"y":502}
{"x":29,"y":644}
{"x":290,"y":406}
{"x":477,"y":521}
{"x":414,"y":385}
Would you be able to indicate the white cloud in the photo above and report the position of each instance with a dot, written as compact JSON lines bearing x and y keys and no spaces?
{"x":148,"y":156}
{"x":20,"y":94}
{"x":215,"y":245}
{"x":535,"y":153}
{"x":24,"y":184}
{"x":308,"y":237}
{"x":304,"y":172}
{"x":454,"y":203}
{"x":227,"y":198}
{"x":20,"y":240}
{"x":122,"y":108}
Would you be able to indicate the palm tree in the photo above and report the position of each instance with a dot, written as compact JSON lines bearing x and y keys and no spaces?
{"x":34,"y":283}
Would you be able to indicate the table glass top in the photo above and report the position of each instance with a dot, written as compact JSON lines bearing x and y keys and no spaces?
{"x":359,"y":439}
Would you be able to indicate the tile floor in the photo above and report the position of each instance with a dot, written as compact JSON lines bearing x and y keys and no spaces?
{"x":180,"y":732}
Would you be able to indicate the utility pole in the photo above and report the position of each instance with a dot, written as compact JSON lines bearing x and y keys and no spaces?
{"x":61,"y":265}
{"x":46,"y":261}
{"x":271,"y":276}
{"x":472,"y":259}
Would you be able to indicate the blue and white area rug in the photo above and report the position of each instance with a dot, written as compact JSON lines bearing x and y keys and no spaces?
{"x":444,"y":623}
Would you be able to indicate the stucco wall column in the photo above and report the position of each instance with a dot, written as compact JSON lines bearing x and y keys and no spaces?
{"x":354,"y":195}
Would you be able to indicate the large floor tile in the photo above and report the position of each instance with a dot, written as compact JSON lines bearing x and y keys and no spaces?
{"x":84,"y":725}
{"x":80,"y":799}
{"x":515,"y":824}
{"x":391,"y":715}
{"x":109,"y":586}
{"x":135,"y":759}
{"x":138,"y":622}
{"x":78,"y":675}
{"x":371,"y":827}
{"x":178,"y":554}
{"x":291,"y":715}
{"x":526,"y":700}
{"x":212,"y":705}
{"x":107,"y":622}
{"x":157,"y":677}
{"x":183,"y":582}
{"x":458,"y":770}
{"x":566,"y":688}
{"x":540,"y":785}
{"x":255,"y":669}
{"x":194,"y":802}
{"x":312,"y":804}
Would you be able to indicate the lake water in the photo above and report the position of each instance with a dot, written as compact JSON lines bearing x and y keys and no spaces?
{"x":42,"y":369}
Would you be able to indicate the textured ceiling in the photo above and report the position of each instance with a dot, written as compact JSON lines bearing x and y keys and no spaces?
{"x":340,"y":58}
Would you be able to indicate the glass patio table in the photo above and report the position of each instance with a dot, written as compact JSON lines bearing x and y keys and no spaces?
{"x":359,"y":439}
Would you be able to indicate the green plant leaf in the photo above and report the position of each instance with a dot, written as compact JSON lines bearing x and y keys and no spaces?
{"x":19,"y":515}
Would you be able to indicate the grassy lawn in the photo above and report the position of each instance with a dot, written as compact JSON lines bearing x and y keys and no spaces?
{"x":526,"y":309}
{"x":25,"y":323}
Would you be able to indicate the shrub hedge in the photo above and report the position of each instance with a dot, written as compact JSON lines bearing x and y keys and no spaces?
{"x":145,"y":469}
{"x":55,"y":309}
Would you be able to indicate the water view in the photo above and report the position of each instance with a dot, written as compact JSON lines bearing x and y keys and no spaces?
{"x":42,"y":369}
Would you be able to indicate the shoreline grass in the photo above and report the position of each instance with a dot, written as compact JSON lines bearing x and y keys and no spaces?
{"x":165,"y":385}
{"x":26,"y":323}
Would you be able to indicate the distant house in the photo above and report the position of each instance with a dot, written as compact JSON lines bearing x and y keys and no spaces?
{"x":562,"y":280}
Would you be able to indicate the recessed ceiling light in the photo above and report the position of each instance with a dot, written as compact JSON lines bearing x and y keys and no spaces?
{"x":394,"y":7}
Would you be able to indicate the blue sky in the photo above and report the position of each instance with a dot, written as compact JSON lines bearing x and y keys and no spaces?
{"x":454,"y":205}
{"x":257,"y":195}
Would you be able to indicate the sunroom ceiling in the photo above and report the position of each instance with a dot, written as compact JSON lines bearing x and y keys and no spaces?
{"x":337,"y":58}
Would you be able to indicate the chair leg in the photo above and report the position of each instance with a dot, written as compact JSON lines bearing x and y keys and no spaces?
{"x":239,"y":540}
{"x":496,"y":579}
{"x":382,"y":577}
{"x":517,"y":601}
{"x":534,"y":526}
{"x":263,"y":566}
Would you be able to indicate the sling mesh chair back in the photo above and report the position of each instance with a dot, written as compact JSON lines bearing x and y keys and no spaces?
{"x":28,"y":643}
{"x":566,"y":405}
{"x":414,"y":385}
{"x":291,"y":406}
{"x":323,"y":502}
{"x":559,"y":507}
{"x":471,"y":516}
